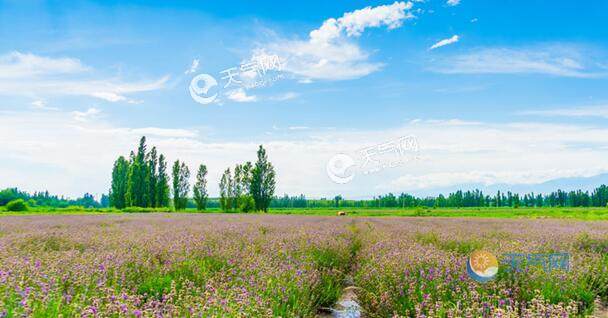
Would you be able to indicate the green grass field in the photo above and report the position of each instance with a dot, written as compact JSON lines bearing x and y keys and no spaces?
{"x":559,"y":213}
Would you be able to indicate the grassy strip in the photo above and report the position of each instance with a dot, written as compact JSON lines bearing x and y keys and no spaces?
{"x":505,"y":212}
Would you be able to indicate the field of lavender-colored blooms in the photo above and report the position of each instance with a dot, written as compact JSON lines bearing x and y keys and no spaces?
{"x":239,"y":265}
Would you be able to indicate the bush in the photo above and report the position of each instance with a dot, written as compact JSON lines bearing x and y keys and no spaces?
{"x":16,"y":205}
{"x":246,"y":204}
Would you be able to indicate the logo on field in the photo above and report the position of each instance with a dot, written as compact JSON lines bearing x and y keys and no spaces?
{"x":482,"y":266}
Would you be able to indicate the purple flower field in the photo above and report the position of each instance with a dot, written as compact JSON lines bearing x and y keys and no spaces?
{"x":177,"y":265}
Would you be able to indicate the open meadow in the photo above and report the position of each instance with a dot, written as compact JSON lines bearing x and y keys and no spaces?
{"x":243,"y":265}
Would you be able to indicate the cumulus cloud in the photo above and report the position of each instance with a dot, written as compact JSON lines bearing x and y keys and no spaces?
{"x":445,"y":42}
{"x":453,"y":3}
{"x":329,"y":52}
{"x":26,"y":74}
{"x":556,"y":60}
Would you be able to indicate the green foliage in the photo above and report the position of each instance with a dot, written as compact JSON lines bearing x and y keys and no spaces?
{"x":246,"y":203}
{"x":162,"y":184}
{"x":142,"y":181}
{"x":181,"y":187}
{"x":152,"y":176}
{"x":226,"y":191}
{"x":118,"y":190}
{"x":44,"y":199}
{"x":16,"y":205}
{"x":262,"y":181}
{"x":200,"y":188}
{"x":138,"y":178}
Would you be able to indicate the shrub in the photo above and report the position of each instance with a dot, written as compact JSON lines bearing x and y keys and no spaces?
{"x":16,"y":205}
{"x":246,"y":204}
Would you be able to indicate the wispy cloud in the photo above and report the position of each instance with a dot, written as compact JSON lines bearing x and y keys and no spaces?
{"x":582,"y":111}
{"x":556,"y":60}
{"x":239,"y":95}
{"x":17,"y":65}
{"x":87,"y":115}
{"x":284,"y":96}
{"x":42,"y":105}
{"x":193,"y":67}
{"x":453,"y":3}
{"x":26,"y":74}
{"x":329,"y":52}
{"x":445,"y":42}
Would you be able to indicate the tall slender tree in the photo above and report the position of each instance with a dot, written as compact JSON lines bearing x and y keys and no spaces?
{"x":162,"y":185}
{"x":243,"y":200}
{"x":200,"y":188}
{"x":181,"y":186}
{"x":137,"y":185}
{"x":262,"y":181}
{"x":118,"y":191}
{"x":152,"y":177}
{"x":226,"y":190}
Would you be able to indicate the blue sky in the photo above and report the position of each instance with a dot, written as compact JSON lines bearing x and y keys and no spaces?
{"x":495,"y":92}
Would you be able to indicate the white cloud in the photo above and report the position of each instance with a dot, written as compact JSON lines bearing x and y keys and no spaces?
{"x":55,"y":151}
{"x":31,"y":75}
{"x":87,"y":115}
{"x":474,"y":20}
{"x":557,"y":60}
{"x":284,"y":96}
{"x":299,"y":128}
{"x":16,"y":65}
{"x":329,"y":53}
{"x":445,"y":42}
{"x":453,"y":3}
{"x":488,"y":178}
{"x":239,"y":95}
{"x":41,"y":105}
{"x":583,"y":111}
{"x":193,"y":67}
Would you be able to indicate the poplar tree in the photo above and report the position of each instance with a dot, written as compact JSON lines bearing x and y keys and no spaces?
{"x":118,"y":190}
{"x":226,"y":190}
{"x":162,"y":185}
{"x":137,"y":185}
{"x":262,"y":181}
{"x":181,"y":187}
{"x":152,"y":175}
{"x":200,"y":188}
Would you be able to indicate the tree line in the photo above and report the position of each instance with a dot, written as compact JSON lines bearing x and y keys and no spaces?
{"x":143,"y":181}
{"x":43,"y":198}
{"x":472,"y":198}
